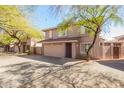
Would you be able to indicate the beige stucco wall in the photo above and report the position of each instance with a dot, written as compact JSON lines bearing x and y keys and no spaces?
{"x":108,"y":52}
{"x":55,"y":34}
{"x":73,"y":50}
{"x":122,"y":48}
{"x":47,"y":34}
{"x":58,"y":50}
{"x":122,"y":51}
{"x":96,"y":51}
{"x":39,"y":50}
{"x":73,"y":32}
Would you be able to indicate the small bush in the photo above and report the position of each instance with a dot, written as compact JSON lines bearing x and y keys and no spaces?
{"x":28,"y":52}
{"x":84,"y":57}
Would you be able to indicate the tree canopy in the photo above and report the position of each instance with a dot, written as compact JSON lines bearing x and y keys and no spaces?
{"x":16,"y":26}
{"x":5,"y":39}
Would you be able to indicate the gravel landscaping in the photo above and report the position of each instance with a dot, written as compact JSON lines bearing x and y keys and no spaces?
{"x":26,"y":73}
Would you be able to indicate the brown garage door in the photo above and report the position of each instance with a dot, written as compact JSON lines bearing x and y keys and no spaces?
{"x":116,"y":52}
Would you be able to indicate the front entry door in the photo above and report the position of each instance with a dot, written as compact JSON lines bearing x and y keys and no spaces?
{"x":116,"y":52}
{"x":68,"y":50}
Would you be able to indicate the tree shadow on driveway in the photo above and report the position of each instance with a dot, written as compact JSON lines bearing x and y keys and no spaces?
{"x":48,"y":59}
{"x":37,"y":75}
{"x":116,"y":64}
{"x":25,"y":75}
{"x":21,"y":75}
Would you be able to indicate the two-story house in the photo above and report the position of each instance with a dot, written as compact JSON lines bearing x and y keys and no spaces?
{"x":69,"y":43}
{"x":74,"y":42}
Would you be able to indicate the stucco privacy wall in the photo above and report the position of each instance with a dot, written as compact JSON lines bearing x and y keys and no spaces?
{"x":54,"y":49}
{"x":107,"y":51}
{"x":97,"y":49}
{"x":38,"y":50}
{"x":122,"y":51}
{"x":122,"y":47}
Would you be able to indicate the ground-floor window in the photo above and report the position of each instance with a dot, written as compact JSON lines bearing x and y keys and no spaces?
{"x":84,"y":48}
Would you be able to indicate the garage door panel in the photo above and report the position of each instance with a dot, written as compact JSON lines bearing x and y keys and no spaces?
{"x":56,"y":50}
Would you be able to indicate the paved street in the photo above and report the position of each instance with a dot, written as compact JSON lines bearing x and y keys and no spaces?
{"x":116,"y":64}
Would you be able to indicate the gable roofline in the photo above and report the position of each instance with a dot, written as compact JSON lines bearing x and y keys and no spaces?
{"x":47,"y":29}
{"x":119,"y":37}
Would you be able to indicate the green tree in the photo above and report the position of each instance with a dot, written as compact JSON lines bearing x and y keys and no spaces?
{"x":93,"y":18}
{"x":5,"y":39}
{"x":13,"y":22}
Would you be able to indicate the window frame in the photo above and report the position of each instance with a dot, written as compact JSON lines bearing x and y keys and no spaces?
{"x":82,"y":30}
{"x":83,"y":44}
{"x":61,"y":35}
{"x":50,"y":34}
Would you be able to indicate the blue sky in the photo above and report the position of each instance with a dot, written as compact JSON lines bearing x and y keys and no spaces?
{"x":42,"y":18}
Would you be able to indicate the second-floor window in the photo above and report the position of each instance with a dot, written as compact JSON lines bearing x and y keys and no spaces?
{"x":50,"y":34}
{"x":62,"y":33}
{"x":82,"y":30}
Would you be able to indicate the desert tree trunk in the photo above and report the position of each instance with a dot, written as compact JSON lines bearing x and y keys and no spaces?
{"x":19,"y":46}
{"x":92,"y":44}
{"x":19,"y":49}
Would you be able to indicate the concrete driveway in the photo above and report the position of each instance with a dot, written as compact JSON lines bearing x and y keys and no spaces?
{"x":28,"y":70}
{"x":46,"y":72}
{"x":8,"y":60}
{"x":116,"y":64}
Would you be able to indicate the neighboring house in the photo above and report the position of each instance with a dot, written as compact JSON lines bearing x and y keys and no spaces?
{"x":113,"y":49}
{"x":31,"y":45}
{"x":1,"y":49}
{"x":23,"y":47}
{"x":70,"y":44}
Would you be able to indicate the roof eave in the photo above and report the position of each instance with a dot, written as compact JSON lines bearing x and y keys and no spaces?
{"x":47,"y":29}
